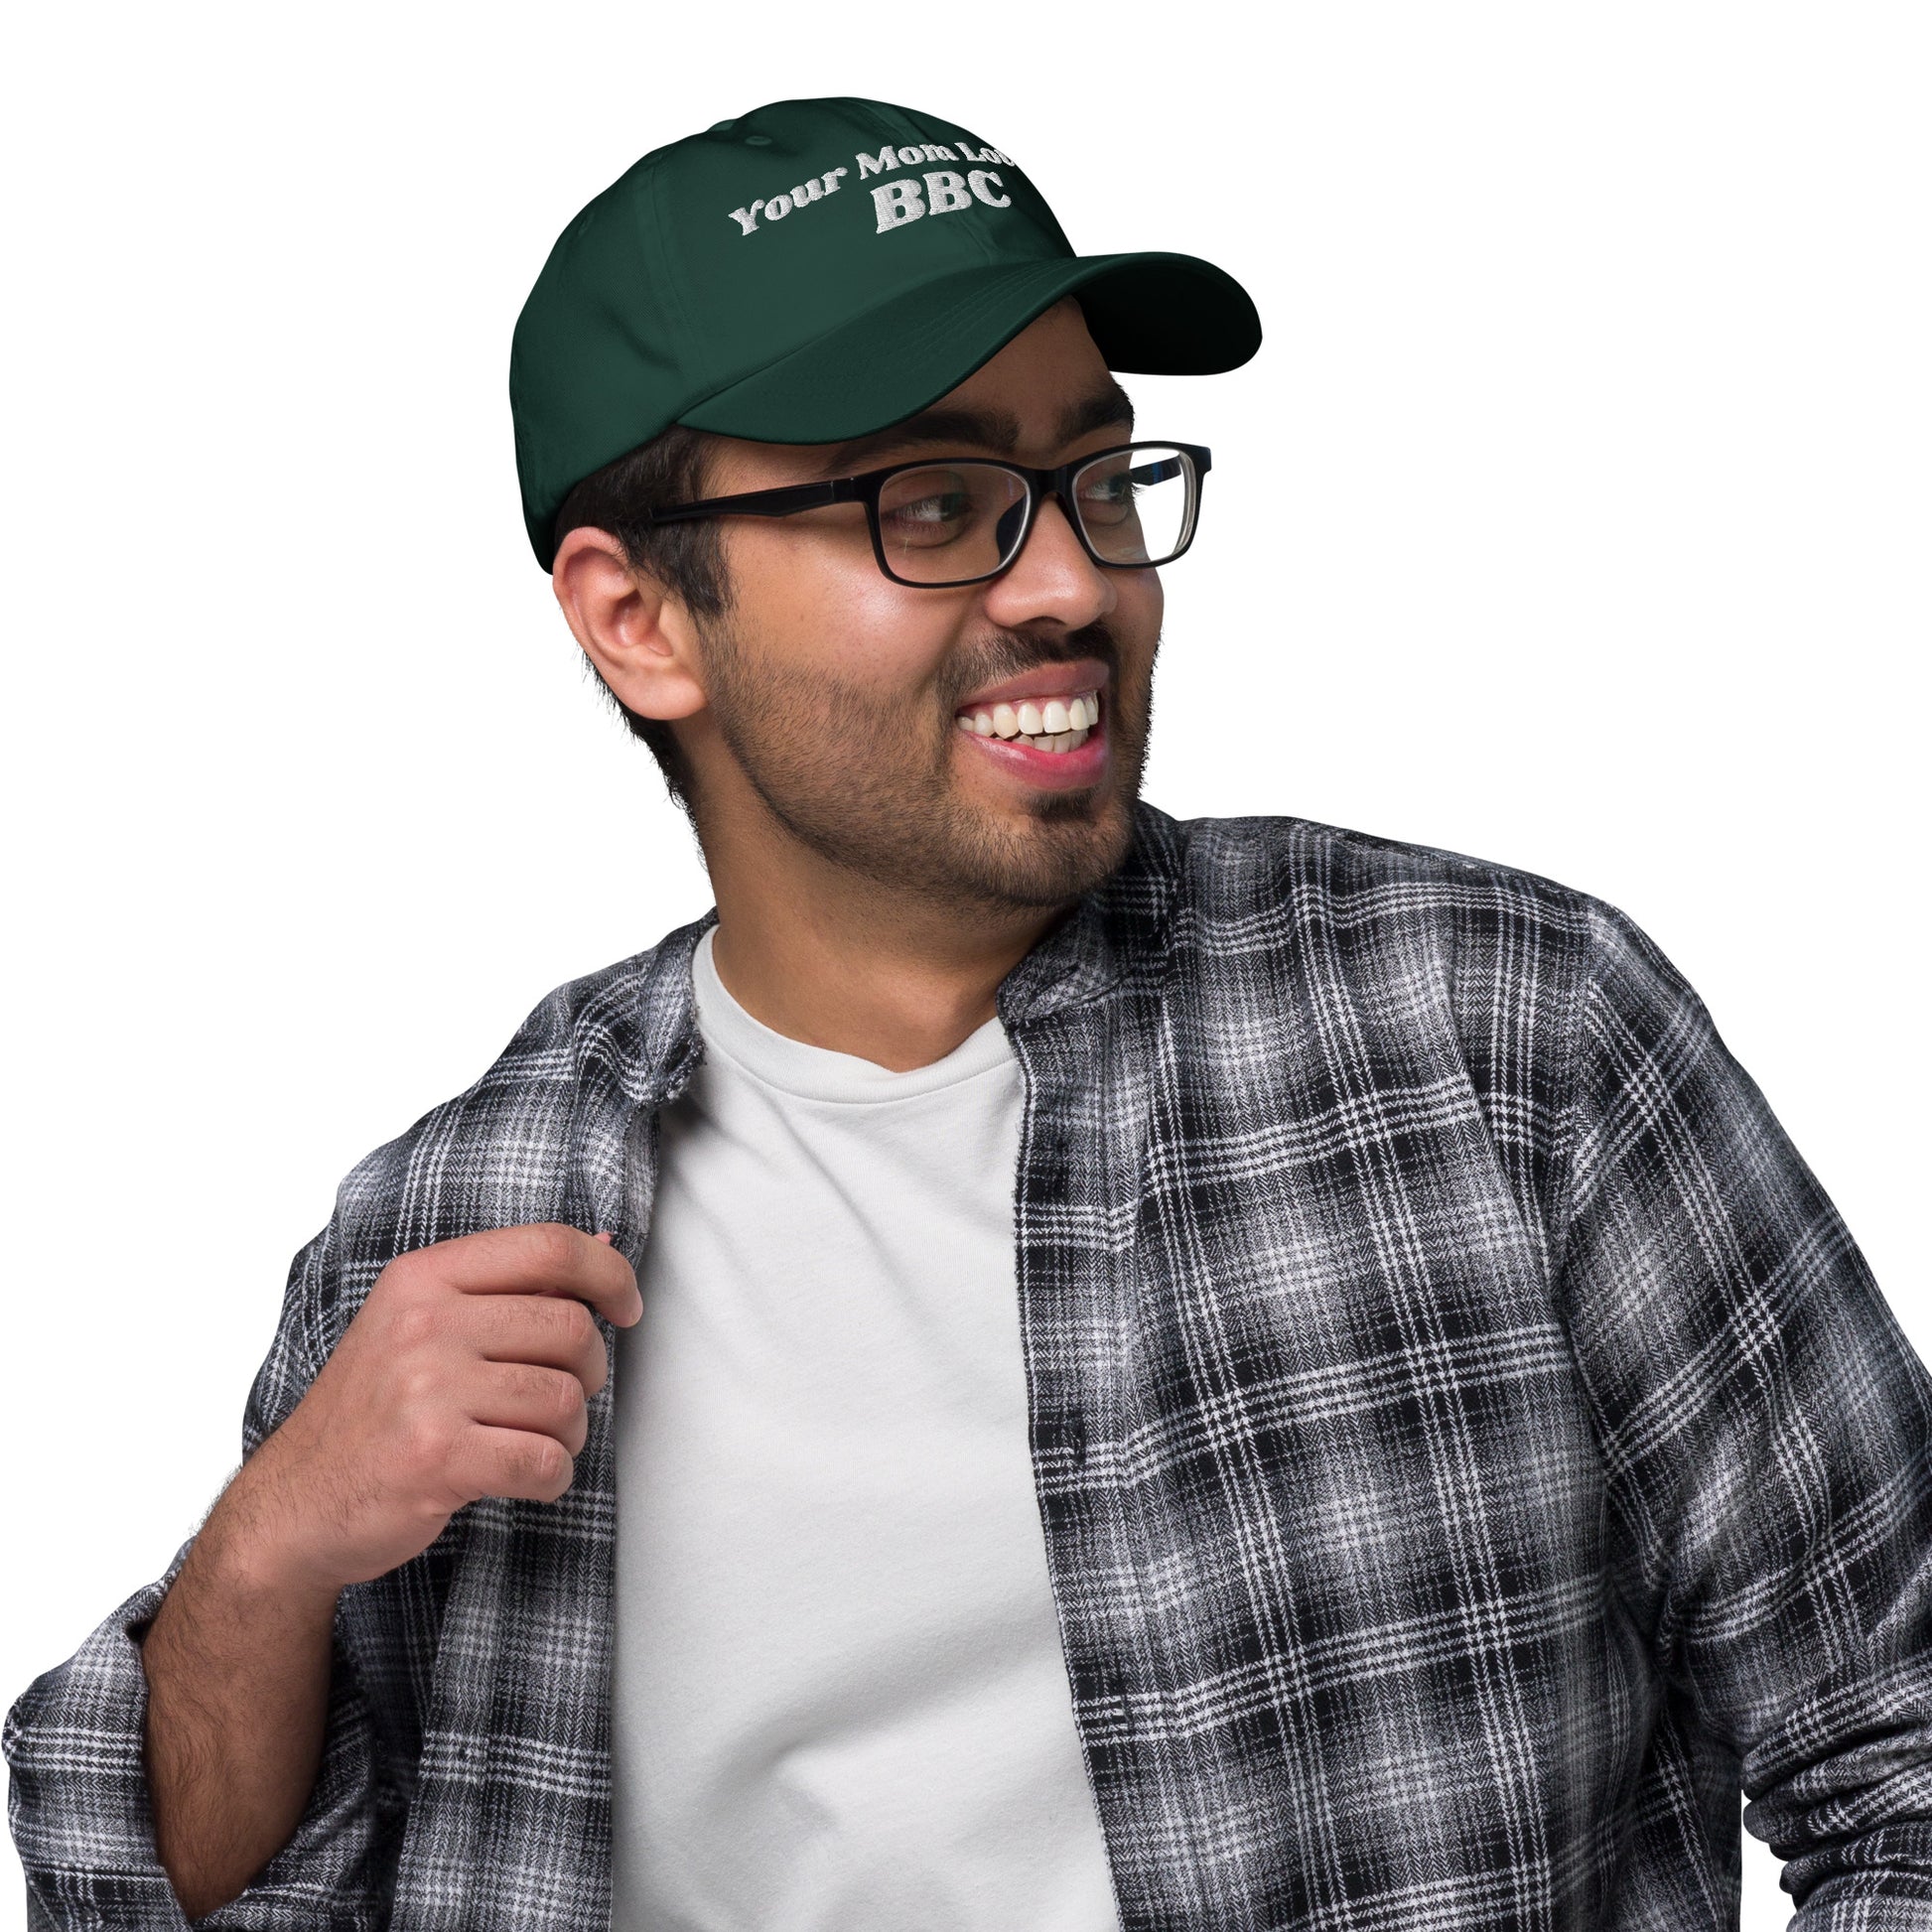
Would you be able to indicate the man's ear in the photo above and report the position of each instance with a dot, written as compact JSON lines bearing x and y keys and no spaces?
{"x":638,"y":636}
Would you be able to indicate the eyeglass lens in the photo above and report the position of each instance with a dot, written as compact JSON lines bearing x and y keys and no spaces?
{"x":950,"y":522}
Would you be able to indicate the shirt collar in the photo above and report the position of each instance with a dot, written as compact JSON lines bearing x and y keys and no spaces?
{"x":1118,"y":921}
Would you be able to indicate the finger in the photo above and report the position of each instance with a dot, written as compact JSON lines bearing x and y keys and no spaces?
{"x":540,"y":1257}
{"x":553,"y":1331}
{"x":490,"y":1461}
{"x":526,"y":1395}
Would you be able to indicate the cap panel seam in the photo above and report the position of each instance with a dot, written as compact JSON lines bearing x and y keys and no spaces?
{"x":673,"y":272}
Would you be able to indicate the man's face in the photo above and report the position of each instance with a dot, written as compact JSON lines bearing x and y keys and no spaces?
{"x":832,"y":691}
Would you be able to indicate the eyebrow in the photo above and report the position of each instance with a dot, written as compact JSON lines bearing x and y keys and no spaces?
{"x":988,"y":429}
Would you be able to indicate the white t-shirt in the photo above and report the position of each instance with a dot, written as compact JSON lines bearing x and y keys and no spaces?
{"x":840,"y":1701}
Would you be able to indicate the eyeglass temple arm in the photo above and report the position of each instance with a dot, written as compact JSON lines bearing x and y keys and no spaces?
{"x":846,"y":489}
{"x":759,"y":502}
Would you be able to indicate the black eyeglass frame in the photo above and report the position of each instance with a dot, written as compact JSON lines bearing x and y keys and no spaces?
{"x":866,"y":488}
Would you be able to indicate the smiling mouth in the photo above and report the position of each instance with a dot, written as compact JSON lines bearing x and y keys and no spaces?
{"x":1058,"y":724}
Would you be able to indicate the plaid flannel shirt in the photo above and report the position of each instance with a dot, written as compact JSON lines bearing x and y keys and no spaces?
{"x":1469,"y":1446}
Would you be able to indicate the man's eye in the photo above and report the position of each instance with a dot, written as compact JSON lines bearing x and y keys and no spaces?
{"x":935,"y":508}
{"x":1109,"y":496}
{"x":933,"y":518}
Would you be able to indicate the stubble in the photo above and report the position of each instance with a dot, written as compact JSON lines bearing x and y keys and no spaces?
{"x":855,"y":776}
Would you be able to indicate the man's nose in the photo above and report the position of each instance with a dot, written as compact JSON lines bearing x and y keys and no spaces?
{"x":1052,"y":576}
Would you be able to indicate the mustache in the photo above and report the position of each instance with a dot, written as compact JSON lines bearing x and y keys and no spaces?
{"x":1023,"y":655}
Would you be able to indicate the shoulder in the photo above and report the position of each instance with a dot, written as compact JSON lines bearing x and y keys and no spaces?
{"x":1339,"y":918}
{"x":1360,"y":892}
{"x":503,"y":1150}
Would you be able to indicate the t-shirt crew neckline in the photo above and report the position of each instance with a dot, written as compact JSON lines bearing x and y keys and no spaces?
{"x":808,"y":1072}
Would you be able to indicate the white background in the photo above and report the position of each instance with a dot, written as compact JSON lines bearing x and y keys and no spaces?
{"x":1573,"y":515}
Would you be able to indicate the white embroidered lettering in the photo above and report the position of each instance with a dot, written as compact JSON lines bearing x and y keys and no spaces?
{"x":932,"y":150}
{"x":977,"y":180}
{"x":809,"y":191}
{"x":898,"y":203}
{"x":831,"y":179}
{"x":778,"y":208}
{"x":747,"y":217}
{"x":910,"y":156}
{"x":945,"y":191}
{"x":882,"y":163}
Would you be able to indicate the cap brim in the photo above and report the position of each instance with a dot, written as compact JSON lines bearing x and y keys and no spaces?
{"x":1152,"y":313}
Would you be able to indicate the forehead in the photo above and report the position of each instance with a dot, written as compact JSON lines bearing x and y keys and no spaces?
{"x":1046,"y":388}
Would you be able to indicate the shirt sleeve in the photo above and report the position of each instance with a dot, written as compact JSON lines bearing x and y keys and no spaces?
{"x":1766,"y":1428}
{"x":77,"y":1796}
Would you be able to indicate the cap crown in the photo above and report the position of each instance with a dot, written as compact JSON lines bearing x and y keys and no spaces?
{"x":722,"y":254}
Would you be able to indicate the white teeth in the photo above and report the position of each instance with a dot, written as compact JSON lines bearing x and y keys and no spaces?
{"x":1054,"y":719}
{"x":1059,"y":741}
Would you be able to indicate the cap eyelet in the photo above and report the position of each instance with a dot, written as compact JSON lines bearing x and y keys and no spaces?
{"x":758,"y":140}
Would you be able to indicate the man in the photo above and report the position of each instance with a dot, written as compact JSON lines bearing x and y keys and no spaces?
{"x":1176,"y":1374}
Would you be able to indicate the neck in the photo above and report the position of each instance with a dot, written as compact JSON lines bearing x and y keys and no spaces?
{"x":854,"y":966}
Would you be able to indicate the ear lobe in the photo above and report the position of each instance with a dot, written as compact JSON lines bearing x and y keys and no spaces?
{"x":637,"y":635}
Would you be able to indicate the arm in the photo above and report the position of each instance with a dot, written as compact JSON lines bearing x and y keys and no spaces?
{"x":78,"y":1800}
{"x":1767,"y":1429}
{"x":238,"y":1663}
{"x":465,"y":1374}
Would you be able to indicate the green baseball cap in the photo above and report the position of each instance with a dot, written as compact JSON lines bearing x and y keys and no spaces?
{"x":814,"y":270}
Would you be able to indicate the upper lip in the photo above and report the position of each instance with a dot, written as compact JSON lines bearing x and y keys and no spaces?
{"x":1046,"y":681}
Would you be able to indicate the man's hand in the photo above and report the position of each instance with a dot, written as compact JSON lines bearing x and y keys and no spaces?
{"x":464,"y":1374}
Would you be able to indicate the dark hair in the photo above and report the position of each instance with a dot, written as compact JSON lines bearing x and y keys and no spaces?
{"x":687,"y":559}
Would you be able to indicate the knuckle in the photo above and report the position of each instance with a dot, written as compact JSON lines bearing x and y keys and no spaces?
{"x":566,"y":1395}
{"x":526,"y":1382}
{"x":426,"y":1444}
{"x":542,"y":1460}
{"x":549,"y":1392}
{"x":417,"y":1388}
{"x":414,"y":1272}
{"x":418,"y":1324}
{"x":573,"y":1321}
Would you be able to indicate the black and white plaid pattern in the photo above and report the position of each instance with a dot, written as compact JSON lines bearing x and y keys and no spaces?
{"x":1469,"y":1445}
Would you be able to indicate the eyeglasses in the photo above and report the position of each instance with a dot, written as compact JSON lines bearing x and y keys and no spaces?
{"x":961,"y":521}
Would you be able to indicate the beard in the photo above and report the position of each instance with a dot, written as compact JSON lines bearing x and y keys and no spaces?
{"x":857,"y":777}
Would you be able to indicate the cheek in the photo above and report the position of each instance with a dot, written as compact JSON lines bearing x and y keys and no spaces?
{"x":1138,"y":608}
{"x":827,"y":605}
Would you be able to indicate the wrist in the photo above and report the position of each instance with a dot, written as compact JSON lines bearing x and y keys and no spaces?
{"x":249,"y":1549}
